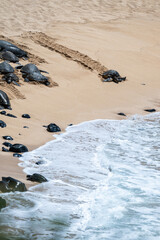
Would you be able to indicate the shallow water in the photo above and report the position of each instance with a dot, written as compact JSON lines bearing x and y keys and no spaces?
{"x":104,"y":183}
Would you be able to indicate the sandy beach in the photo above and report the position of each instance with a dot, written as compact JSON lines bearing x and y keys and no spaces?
{"x":120,"y":35}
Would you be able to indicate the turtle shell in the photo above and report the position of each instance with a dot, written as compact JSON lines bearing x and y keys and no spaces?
{"x":9,"y":77}
{"x":9,"y":56}
{"x":29,"y":68}
{"x":110,"y":74}
{"x":37,"y":76}
{"x":4,"y":45}
{"x":4,"y":100}
{"x":6,"y":68}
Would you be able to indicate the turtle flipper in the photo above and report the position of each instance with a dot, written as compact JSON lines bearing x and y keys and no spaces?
{"x":115,"y":79}
{"x":15,"y":83}
{"x":26,"y":79}
{"x":19,"y":66}
{"x":123,"y":79}
{"x":109,"y":79}
{"x":43,"y":71}
{"x":25,"y":58}
{"x":120,"y":79}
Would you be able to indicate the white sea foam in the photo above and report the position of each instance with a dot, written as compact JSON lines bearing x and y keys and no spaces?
{"x":104,"y":183}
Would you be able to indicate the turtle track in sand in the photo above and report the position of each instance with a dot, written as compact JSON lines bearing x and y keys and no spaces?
{"x":50,"y":43}
{"x":11,"y":91}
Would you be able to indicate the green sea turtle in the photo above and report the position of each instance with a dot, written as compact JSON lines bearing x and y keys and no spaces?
{"x":4,"y":45}
{"x":30,"y":72}
{"x":11,"y":77}
{"x":112,"y":75}
{"x":4,"y":101}
{"x":29,"y":68}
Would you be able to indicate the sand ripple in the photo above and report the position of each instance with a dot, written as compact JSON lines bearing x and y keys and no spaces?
{"x":19,"y":16}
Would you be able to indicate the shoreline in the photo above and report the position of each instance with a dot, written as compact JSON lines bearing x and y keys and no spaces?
{"x":16,"y":171}
{"x":127,"y":46}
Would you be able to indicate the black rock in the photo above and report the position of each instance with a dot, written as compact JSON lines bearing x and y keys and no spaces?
{"x":52,"y":127}
{"x":39,"y":162}
{"x":9,"y":184}
{"x":36,"y":178}
{"x":3,"y":112}
{"x":26,"y":116}
{"x":17,"y":155}
{"x":4,"y":149}
{"x":70,"y":125}
{"x":150,"y":110}
{"x":7,"y":138}
{"x":121,"y":114}
{"x":2,"y":203}
{"x":11,"y":115}
{"x":2,"y":124}
{"x":18,"y":148}
{"x":7,"y":144}
{"x":25,"y":127}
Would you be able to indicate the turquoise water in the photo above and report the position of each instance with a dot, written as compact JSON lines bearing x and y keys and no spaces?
{"x":104,"y":183}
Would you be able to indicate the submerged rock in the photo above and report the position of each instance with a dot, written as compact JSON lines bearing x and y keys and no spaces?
{"x":9,"y":184}
{"x":36,"y":178}
{"x":39,"y":162}
{"x":2,"y":203}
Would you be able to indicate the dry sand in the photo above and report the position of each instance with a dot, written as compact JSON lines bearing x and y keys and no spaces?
{"x":75,"y":41}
